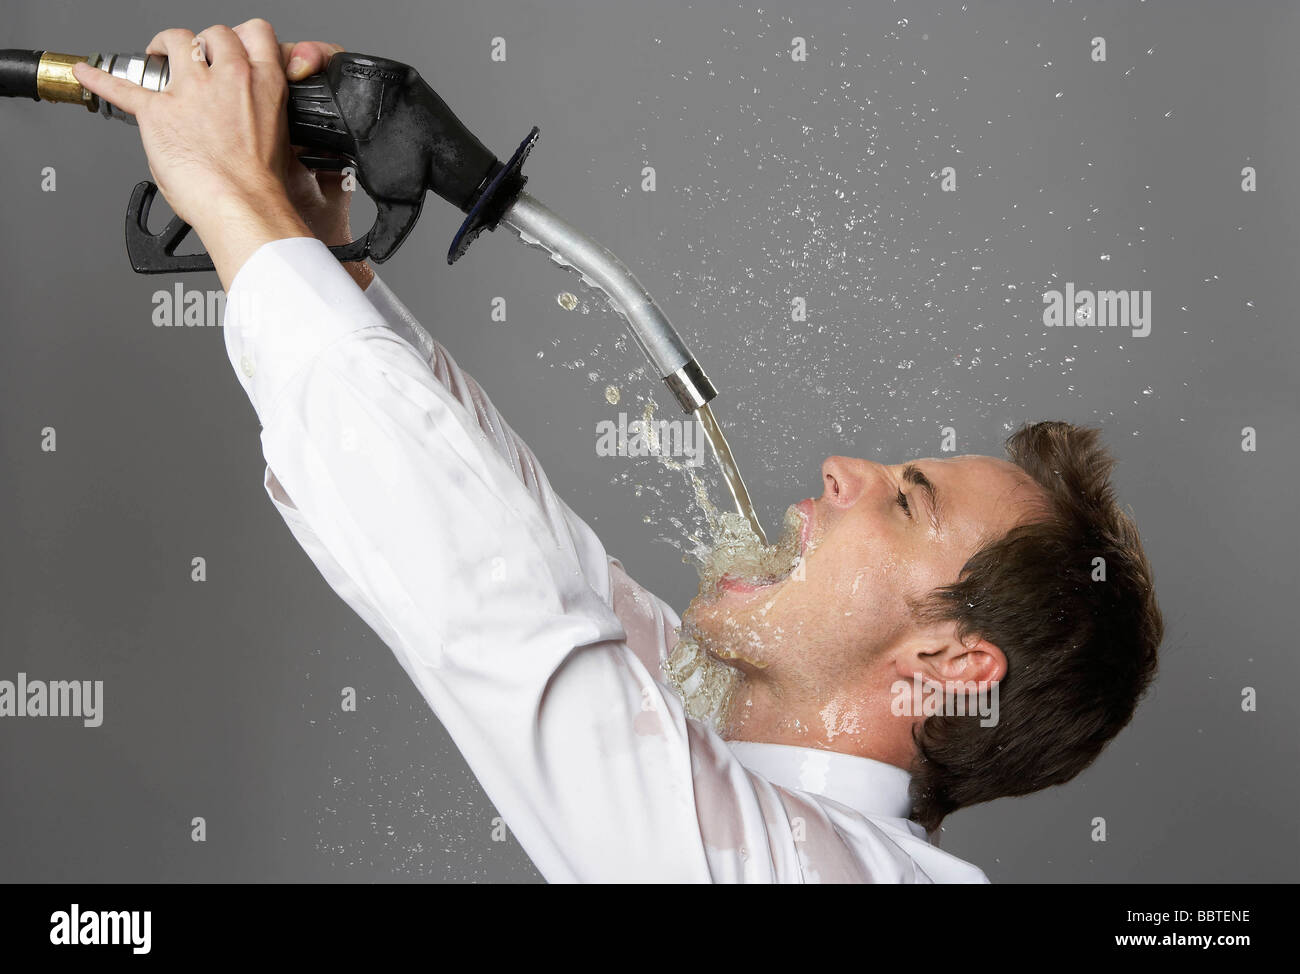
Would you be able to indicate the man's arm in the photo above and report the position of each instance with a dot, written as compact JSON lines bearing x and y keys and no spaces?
{"x":567,"y":526}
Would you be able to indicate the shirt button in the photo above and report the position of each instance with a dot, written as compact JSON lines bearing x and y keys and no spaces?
{"x":246,"y":364}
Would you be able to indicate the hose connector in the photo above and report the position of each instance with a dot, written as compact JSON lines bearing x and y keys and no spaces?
{"x":47,"y":76}
{"x":56,"y":82}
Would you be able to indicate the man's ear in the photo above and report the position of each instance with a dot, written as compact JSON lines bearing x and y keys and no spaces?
{"x":940,"y":655}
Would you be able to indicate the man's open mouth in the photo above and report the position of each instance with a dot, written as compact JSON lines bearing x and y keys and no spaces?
{"x":745,"y":565}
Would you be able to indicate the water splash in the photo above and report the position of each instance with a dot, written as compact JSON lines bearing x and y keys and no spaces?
{"x":707,"y":685}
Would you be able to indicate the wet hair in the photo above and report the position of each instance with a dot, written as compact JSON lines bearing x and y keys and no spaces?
{"x":1080,"y":653}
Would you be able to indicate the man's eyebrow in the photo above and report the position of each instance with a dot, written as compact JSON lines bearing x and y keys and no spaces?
{"x":912,"y":474}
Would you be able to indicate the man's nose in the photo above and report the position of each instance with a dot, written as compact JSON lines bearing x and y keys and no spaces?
{"x":845,"y":479}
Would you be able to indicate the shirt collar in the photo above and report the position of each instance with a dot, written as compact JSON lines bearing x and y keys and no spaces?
{"x":863,"y":784}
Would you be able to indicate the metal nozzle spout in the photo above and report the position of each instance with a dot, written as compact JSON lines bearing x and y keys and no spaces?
{"x":569,"y":247}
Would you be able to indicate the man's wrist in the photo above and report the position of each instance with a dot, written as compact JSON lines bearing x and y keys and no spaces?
{"x":361,"y":272}
{"x":237,"y":224}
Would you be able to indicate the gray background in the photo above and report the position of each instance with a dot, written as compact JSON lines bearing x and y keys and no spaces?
{"x":775,"y":178}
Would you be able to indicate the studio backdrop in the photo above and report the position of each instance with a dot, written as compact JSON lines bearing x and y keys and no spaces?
{"x":858,"y":216}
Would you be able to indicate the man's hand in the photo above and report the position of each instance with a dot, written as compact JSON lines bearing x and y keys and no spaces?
{"x":217,"y":136}
{"x":319,"y":197}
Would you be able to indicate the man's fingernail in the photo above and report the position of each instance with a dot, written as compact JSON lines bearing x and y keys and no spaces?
{"x":297,"y":66}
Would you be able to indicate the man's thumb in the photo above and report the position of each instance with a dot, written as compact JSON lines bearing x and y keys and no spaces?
{"x":308,"y":58}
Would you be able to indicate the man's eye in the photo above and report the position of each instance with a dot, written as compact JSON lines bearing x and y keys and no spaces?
{"x":901,"y":500}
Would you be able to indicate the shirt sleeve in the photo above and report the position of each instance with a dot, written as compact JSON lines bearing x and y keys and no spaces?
{"x":426,"y":513}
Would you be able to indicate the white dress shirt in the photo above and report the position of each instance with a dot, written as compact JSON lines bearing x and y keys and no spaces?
{"x":430,"y":517}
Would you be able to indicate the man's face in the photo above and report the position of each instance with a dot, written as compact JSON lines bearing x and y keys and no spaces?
{"x":877,"y":536}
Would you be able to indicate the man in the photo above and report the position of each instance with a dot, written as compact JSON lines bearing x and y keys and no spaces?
{"x":544,"y":660}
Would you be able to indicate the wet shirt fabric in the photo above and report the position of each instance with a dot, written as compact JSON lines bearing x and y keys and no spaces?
{"x":430,"y":517}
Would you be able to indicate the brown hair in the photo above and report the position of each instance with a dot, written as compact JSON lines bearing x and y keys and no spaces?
{"x":1080,"y":653}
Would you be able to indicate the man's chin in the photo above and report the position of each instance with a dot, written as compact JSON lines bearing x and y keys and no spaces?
{"x":734,"y":660}
{"x":722,"y":619}
{"x":722,"y":652}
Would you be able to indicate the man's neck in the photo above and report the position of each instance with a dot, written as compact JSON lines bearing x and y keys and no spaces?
{"x":764,"y":711}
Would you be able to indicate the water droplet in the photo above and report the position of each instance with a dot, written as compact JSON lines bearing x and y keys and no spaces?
{"x":612,"y":395}
{"x":566,"y":300}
